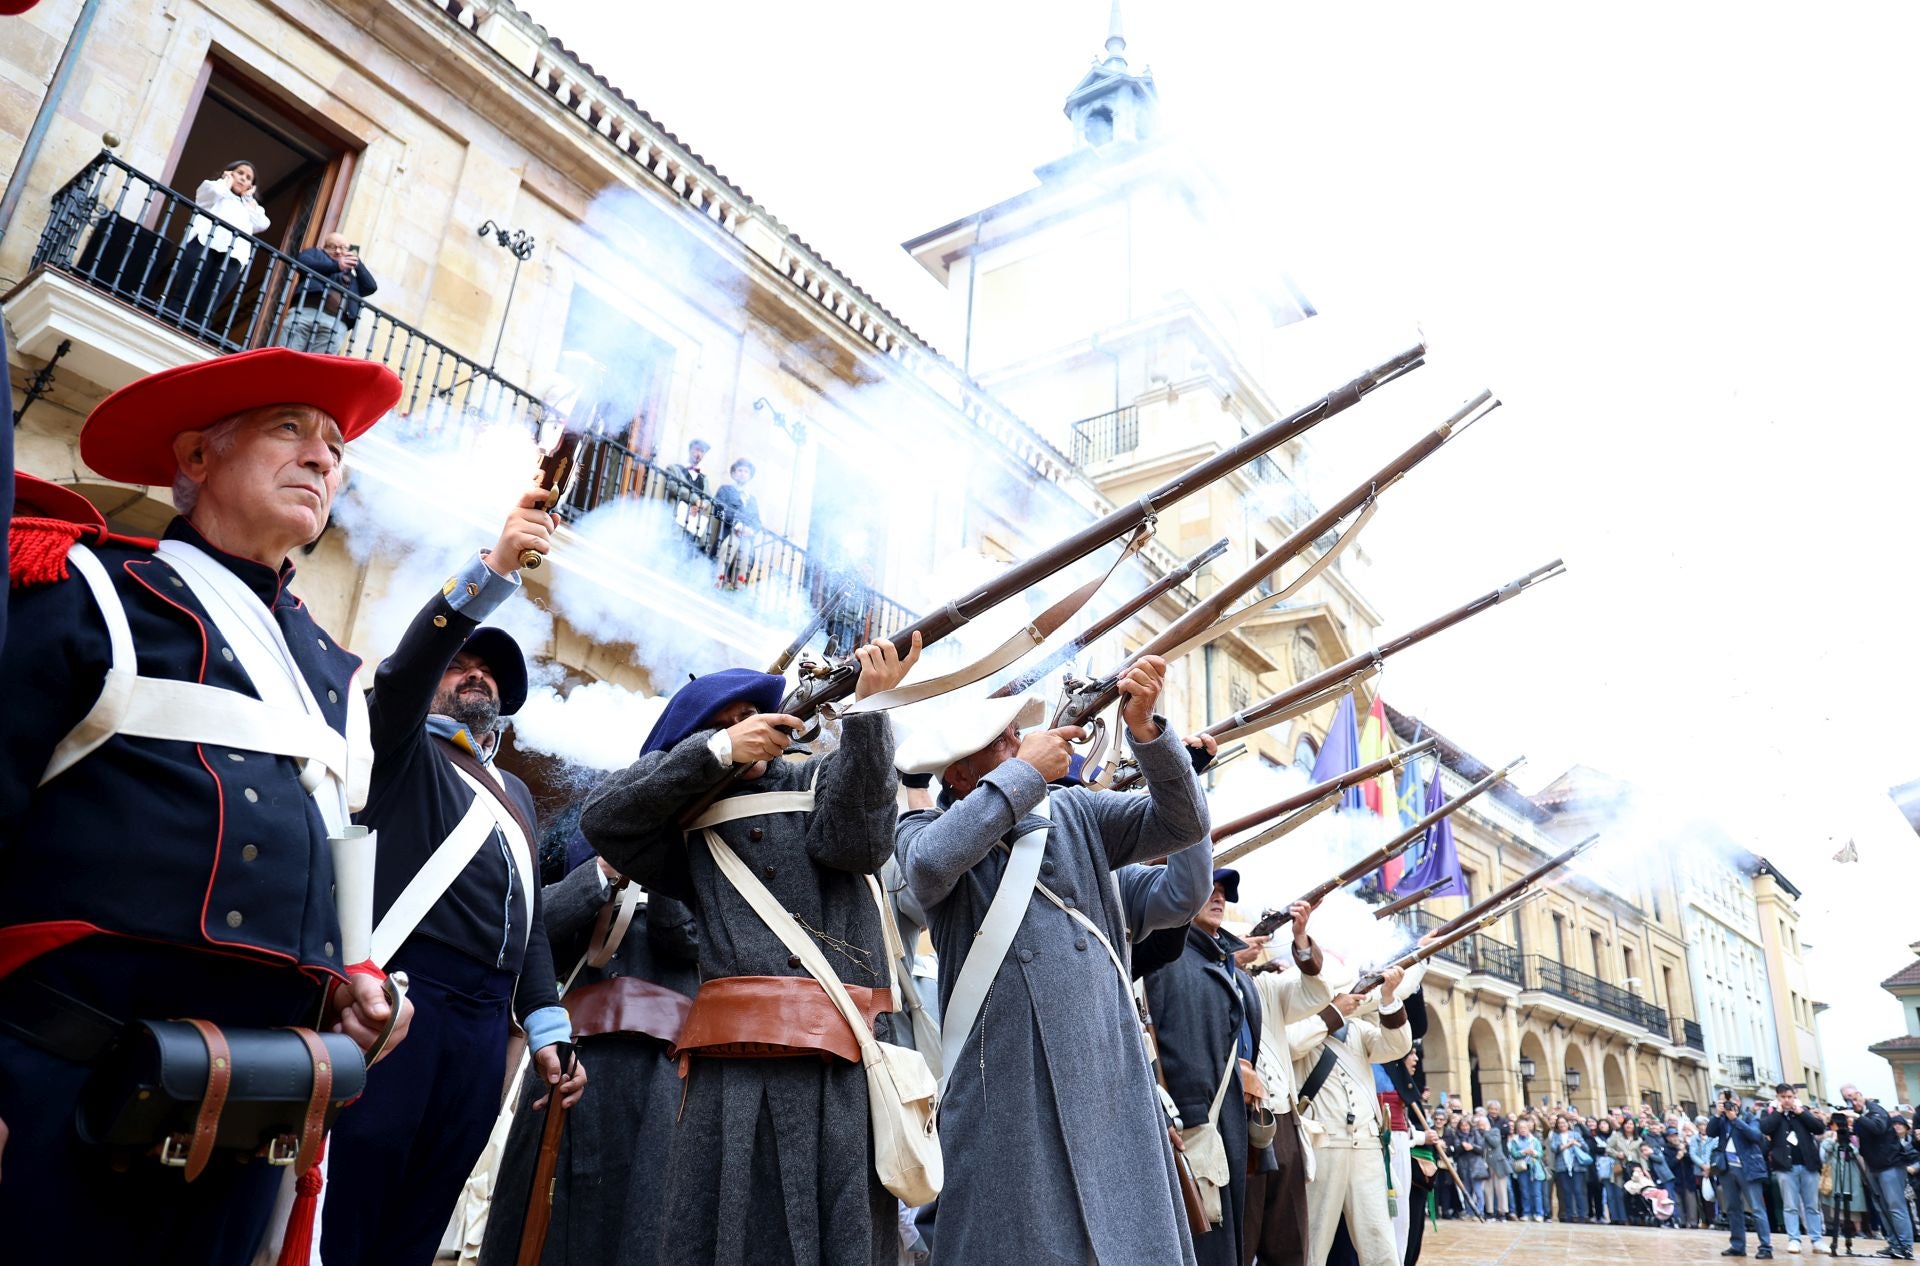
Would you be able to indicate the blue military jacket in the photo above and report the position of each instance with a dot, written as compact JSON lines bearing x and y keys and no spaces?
{"x":184,"y":844}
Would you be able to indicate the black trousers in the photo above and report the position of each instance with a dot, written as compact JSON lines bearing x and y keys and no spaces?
{"x":399,"y":1157}
{"x":63,"y":1202}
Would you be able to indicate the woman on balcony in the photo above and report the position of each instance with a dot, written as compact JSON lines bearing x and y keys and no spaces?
{"x":218,"y":246}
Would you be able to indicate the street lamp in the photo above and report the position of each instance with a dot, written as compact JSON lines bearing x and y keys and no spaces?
{"x":519,"y":243}
{"x":1573,"y":1083}
{"x":1527,"y":1071}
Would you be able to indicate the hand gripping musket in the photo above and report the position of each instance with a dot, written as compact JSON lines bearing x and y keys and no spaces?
{"x":1273,"y":920}
{"x":1325,"y":687}
{"x":1401,"y":904}
{"x":558,"y":465}
{"x":1308,"y":805}
{"x":1112,"y":620}
{"x":821,"y":686}
{"x":1209,"y":618}
{"x":1517,"y":887}
{"x":533,"y":1232}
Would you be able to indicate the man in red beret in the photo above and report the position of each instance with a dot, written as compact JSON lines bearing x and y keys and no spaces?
{"x":180,"y":754}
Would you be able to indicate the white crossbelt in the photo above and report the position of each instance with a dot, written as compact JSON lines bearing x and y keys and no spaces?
{"x":285,"y":720}
{"x":431,"y":881}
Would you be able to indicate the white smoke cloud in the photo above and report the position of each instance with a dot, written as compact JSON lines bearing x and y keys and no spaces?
{"x":596,"y":725}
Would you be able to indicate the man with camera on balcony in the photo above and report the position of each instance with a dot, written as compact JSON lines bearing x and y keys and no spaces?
{"x":325,"y":302}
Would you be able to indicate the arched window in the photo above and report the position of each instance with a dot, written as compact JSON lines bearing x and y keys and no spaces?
{"x":1304,"y":755}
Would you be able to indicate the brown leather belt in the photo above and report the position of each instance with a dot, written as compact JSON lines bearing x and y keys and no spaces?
{"x":627,"y":1004}
{"x":773,"y":1017}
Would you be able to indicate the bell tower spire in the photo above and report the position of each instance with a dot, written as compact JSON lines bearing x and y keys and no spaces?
{"x":1111,"y":103}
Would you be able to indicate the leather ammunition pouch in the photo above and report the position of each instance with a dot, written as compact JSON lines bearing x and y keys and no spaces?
{"x":627,"y":1004}
{"x":774,"y":1017}
{"x":185,"y":1089}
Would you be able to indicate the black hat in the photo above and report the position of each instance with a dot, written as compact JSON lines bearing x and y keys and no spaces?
{"x":1228,"y":880}
{"x":508,"y":665}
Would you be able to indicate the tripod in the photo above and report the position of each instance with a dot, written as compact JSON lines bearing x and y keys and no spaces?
{"x":1841,"y":1210}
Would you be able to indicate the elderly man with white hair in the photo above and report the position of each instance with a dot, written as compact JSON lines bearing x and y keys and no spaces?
{"x":1056,"y":1145}
{"x":183,"y":746}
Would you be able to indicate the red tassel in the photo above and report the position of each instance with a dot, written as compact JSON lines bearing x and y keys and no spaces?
{"x":297,"y":1248}
{"x":37,"y":551}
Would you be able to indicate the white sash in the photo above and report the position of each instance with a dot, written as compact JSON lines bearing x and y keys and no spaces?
{"x":432,"y":880}
{"x":285,"y":720}
{"x":991,"y":943}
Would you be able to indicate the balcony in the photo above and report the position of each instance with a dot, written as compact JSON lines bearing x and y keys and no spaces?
{"x":1739,"y":1069}
{"x":1478,"y":953}
{"x":1551,"y":976}
{"x":1106,"y":437}
{"x":119,"y":234}
{"x":1691,"y":1036}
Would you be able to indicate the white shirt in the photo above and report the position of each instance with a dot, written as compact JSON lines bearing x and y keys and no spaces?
{"x":229,"y":211}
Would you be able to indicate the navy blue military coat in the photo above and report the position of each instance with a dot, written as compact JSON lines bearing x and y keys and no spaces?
{"x":184,"y":844}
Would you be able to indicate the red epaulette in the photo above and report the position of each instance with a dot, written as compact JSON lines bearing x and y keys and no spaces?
{"x":37,"y":548}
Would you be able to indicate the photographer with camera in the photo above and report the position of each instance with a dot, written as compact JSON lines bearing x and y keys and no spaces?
{"x":1740,"y":1169}
{"x":1886,"y":1179}
{"x":1793,"y":1133}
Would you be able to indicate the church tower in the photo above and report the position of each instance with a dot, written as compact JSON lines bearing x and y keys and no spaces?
{"x":1122,"y":310}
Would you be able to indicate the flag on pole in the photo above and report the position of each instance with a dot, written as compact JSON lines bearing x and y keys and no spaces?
{"x":1439,"y":858}
{"x":1340,"y":754}
{"x":1376,"y":743}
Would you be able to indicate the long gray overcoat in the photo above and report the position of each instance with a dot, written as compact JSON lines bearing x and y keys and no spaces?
{"x":1055,"y":1143}
{"x":771,"y":1160}
{"x":608,"y":1182}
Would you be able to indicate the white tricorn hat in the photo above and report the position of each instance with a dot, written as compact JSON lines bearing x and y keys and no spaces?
{"x":940,"y":732}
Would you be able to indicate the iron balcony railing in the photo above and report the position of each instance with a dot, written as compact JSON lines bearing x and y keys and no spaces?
{"x":1740,"y":1069}
{"x":124,"y":233}
{"x":1691,"y":1035}
{"x":769,"y":574}
{"x":1550,"y":976}
{"x":1106,"y":436}
{"x":1477,"y":952}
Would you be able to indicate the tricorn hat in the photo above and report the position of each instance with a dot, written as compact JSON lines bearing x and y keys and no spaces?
{"x":508,"y":664}
{"x":940,"y":732}
{"x":129,"y":435}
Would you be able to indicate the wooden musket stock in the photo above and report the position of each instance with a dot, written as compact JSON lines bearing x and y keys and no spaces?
{"x":533,"y":1232}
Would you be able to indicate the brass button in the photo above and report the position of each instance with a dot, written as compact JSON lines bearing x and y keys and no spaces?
{"x":333,"y":696}
{"x":253,"y":797}
{"x":793,"y":960}
{"x":439,"y":621}
{"x":226,"y":653}
{"x":473,"y":590}
{"x":756,"y":834}
{"x":233,"y":918}
{"x":250,"y":852}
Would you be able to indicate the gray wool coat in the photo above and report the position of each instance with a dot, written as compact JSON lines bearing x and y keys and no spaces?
{"x":771,"y":1160}
{"x":609,"y":1179}
{"x":1055,"y":1143}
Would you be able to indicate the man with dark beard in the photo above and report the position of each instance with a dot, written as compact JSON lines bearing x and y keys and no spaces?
{"x":457,"y":907}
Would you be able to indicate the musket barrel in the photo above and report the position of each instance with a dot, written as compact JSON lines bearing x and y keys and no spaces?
{"x":1275,"y":919}
{"x":1411,"y":900}
{"x":1301,"y":799}
{"x":1291,"y":702}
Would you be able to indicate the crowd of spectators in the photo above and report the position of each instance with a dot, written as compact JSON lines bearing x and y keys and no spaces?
{"x":1814,"y":1176}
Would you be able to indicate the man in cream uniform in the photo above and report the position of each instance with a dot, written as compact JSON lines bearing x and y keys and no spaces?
{"x":1342,"y":1120}
{"x":1277,"y":1202}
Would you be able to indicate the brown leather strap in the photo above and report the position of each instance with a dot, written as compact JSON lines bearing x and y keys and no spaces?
{"x":313,"y":1129}
{"x":206,"y":1124}
{"x":465,"y":760}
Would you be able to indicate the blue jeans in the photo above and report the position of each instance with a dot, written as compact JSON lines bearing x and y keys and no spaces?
{"x":1800,"y":1202}
{"x":1890,"y":1185}
{"x":1739,"y":1193}
{"x":1615,"y":1197}
{"x":1533,"y":1196}
{"x":1573,"y":1194}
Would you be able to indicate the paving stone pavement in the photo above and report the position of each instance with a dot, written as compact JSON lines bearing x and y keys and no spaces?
{"x":1459,"y":1242}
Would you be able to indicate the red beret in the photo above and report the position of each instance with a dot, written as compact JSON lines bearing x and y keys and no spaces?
{"x":37,"y":498}
{"x":130,"y":435}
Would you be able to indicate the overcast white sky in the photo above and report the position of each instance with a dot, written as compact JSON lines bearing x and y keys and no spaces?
{"x":1676,"y":239}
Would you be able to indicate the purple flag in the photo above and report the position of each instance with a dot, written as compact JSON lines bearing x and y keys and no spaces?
{"x":1439,"y":859}
{"x":1340,"y":754}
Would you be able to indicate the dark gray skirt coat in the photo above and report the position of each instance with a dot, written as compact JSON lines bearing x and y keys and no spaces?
{"x":770,"y":1160}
